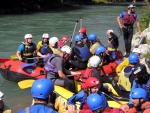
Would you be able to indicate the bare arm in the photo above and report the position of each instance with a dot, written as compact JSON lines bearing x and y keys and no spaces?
{"x":61,"y":74}
{"x":18,"y":54}
{"x":39,"y":54}
{"x":138,"y":26}
{"x":119,"y":23}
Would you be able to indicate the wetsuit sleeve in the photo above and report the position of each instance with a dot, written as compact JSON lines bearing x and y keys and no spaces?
{"x":21,"y":48}
{"x":136,"y":17}
{"x":34,"y":46}
{"x":124,"y":64}
{"x":75,"y":52}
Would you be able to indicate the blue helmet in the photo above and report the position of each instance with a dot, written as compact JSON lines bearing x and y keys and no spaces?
{"x":42,"y":88}
{"x":78,"y":37}
{"x":133,"y":58}
{"x":100,"y":49}
{"x":92,"y":37}
{"x":138,"y":93}
{"x":94,"y":101}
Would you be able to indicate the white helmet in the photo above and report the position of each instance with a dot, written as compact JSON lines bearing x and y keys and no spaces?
{"x":131,"y":6}
{"x":94,"y":61}
{"x":45,"y":35}
{"x":136,"y":50}
{"x":27,"y":36}
{"x":66,"y":49}
{"x":53,"y":41}
{"x":109,"y":31}
{"x":1,"y":95}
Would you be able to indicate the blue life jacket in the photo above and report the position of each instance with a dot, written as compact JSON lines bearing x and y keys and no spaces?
{"x":38,"y":108}
{"x":49,"y":67}
{"x":43,"y":49}
{"x":81,"y":97}
{"x":84,"y":53}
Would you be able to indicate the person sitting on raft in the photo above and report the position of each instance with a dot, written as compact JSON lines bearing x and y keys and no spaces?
{"x":63,"y":41}
{"x":95,"y":103}
{"x":91,"y":85}
{"x":43,"y":45}
{"x":53,"y":41}
{"x":26,"y":50}
{"x":112,"y":45}
{"x":82,"y":32}
{"x":126,"y":62}
{"x":80,"y":54}
{"x":55,"y":68}
{"x":41,"y":96}
{"x":94,"y":43}
{"x":94,"y":62}
{"x":142,"y":79}
{"x":1,"y":102}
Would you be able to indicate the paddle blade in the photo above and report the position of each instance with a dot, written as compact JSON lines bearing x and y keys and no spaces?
{"x":25,"y":84}
{"x":2,"y":60}
{"x":27,"y":65}
{"x":13,"y":57}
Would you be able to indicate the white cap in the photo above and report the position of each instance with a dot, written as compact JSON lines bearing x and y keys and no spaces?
{"x":131,"y":6}
{"x":109,"y":31}
{"x":66,"y":49}
{"x":136,"y":50}
{"x":45,"y":35}
{"x":94,"y":61}
{"x":1,"y":95}
{"x":27,"y":36}
{"x":53,"y":40}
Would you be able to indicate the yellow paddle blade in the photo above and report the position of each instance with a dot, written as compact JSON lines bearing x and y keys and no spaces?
{"x":13,"y":57}
{"x":25,"y":84}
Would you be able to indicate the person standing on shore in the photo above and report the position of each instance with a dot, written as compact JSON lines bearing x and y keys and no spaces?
{"x":128,"y":19}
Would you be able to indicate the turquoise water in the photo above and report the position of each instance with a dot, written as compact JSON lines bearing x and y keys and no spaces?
{"x":97,"y":19}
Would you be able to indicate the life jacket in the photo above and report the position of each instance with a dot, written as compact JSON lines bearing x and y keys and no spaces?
{"x":146,"y":87}
{"x":28,"y":50}
{"x":55,"y":50}
{"x":124,"y":81}
{"x":84,"y":53}
{"x":88,"y":73}
{"x":43,"y":48}
{"x":110,"y":46}
{"x":49,"y":67}
{"x":128,"y":19}
{"x":86,"y":111}
{"x":113,"y":110}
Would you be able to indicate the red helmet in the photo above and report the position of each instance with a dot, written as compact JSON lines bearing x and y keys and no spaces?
{"x":82,"y":30}
{"x":64,"y":38}
{"x":91,"y":82}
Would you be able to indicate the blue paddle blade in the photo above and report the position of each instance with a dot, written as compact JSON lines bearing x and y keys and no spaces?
{"x":27,"y":65}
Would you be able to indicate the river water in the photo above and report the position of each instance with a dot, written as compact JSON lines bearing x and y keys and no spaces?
{"x":96,"y":18}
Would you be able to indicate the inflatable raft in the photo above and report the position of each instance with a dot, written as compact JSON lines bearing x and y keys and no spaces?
{"x":17,"y":71}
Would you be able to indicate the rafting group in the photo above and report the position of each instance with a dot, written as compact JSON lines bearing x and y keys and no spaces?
{"x":86,"y":78}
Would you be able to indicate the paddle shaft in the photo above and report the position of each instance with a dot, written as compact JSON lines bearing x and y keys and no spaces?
{"x":112,"y":98}
{"x":73,"y":32}
{"x":80,"y":22}
{"x":33,"y":58}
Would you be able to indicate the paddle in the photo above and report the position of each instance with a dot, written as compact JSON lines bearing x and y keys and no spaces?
{"x":112,"y":98}
{"x":2,"y":60}
{"x":73,"y":32}
{"x":13,"y":57}
{"x":27,"y":65}
{"x":80,"y":22}
{"x":25,"y":83}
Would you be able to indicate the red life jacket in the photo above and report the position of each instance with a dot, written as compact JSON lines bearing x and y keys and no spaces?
{"x":128,"y":19}
{"x":86,"y":111}
{"x":88,"y":73}
{"x":113,"y":110}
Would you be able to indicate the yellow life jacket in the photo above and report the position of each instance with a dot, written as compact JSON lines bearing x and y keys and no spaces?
{"x":124,"y":64}
{"x":93,"y":47}
{"x":55,"y":50}
{"x":123,"y":81}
